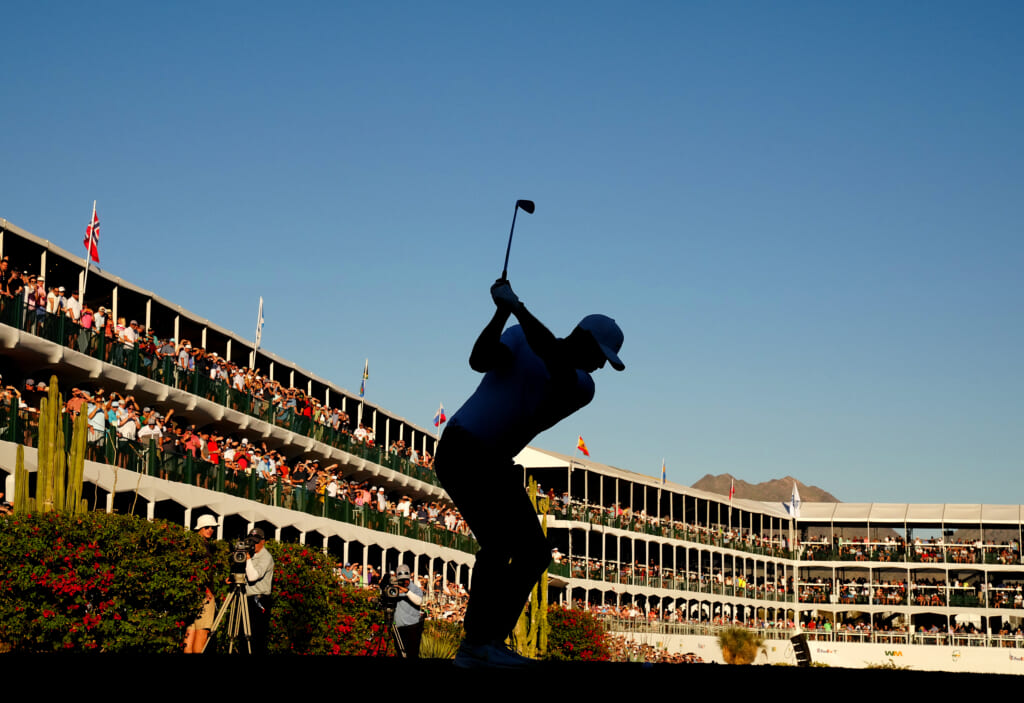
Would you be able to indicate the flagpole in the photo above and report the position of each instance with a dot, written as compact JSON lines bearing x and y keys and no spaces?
{"x":362,"y":389}
{"x":259,"y":335}
{"x":439,"y":419}
{"x":88,"y":253}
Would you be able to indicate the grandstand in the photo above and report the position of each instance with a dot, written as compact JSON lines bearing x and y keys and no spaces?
{"x":927,"y":586}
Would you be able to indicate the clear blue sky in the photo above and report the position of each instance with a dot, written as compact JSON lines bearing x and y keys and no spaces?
{"x":806,"y":216}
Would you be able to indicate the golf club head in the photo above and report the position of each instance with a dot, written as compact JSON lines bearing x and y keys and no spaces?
{"x":526,"y":206}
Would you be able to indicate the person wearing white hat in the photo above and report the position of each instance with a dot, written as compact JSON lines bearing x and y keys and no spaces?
{"x":532,"y":380}
{"x":199,"y":631}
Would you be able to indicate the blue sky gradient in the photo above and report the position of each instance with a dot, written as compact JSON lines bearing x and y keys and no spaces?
{"x":804,"y":215}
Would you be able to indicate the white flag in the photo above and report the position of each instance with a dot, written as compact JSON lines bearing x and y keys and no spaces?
{"x":259,"y":324}
{"x":793,"y":506}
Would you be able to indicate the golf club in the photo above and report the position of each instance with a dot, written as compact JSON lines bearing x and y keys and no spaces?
{"x":526,"y":206}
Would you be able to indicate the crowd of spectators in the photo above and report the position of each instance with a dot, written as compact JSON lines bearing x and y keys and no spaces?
{"x":181,"y":364}
{"x":565,"y":507}
{"x":920,"y":591}
{"x":927,"y":551}
{"x":120,"y":431}
{"x":884,"y":549}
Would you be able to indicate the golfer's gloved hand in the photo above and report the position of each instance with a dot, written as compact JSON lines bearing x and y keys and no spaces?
{"x":504,"y":298}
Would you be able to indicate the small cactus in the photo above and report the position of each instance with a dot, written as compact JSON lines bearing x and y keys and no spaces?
{"x":531,"y":632}
{"x":59,"y":475}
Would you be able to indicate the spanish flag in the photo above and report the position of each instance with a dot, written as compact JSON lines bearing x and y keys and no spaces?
{"x":582,"y":446}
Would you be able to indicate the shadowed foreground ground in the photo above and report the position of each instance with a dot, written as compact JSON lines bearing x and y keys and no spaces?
{"x":439,"y":680}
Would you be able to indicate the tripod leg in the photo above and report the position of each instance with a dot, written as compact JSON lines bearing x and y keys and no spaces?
{"x":399,"y":644}
{"x":236,"y":608}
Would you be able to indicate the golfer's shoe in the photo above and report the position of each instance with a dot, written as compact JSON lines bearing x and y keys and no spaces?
{"x":493,"y":655}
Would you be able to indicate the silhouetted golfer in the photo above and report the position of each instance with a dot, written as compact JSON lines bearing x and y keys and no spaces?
{"x":532,"y":379}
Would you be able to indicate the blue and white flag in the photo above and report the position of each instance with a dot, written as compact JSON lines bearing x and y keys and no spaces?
{"x":793,"y":506}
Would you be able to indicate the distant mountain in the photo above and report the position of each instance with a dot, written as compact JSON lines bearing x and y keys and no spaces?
{"x":775,"y":491}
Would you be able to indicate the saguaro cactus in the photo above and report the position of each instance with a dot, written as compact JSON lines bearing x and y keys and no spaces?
{"x":532,"y":629}
{"x":23,"y":503}
{"x":58,"y":475}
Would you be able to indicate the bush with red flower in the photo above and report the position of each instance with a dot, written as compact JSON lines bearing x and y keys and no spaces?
{"x":313,"y":613}
{"x":119,"y":583}
{"x":576,"y":635}
{"x":97,"y":583}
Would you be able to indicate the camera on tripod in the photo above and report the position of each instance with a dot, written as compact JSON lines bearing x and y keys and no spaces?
{"x":241,"y":550}
{"x":390,"y":592}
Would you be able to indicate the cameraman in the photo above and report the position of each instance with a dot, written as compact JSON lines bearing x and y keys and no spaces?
{"x":408,"y":617}
{"x":259,"y":575}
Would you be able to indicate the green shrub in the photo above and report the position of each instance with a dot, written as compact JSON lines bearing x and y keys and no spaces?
{"x":441,"y":639}
{"x":118,"y":583}
{"x":313,"y":613}
{"x":740,"y":645}
{"x":97,"y":582}
{"x":576,"y":635}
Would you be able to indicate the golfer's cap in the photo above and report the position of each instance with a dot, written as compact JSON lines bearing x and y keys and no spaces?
{"x":607,"y":335}
{"x":206,"y":521}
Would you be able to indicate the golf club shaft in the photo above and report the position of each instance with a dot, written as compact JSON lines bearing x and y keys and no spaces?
{"x":504,"y":270}
{"x":528,"y":207}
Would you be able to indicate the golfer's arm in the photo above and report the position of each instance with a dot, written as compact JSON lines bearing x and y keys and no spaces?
{"x":488,"y":351}
{"x":541,"y":340}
